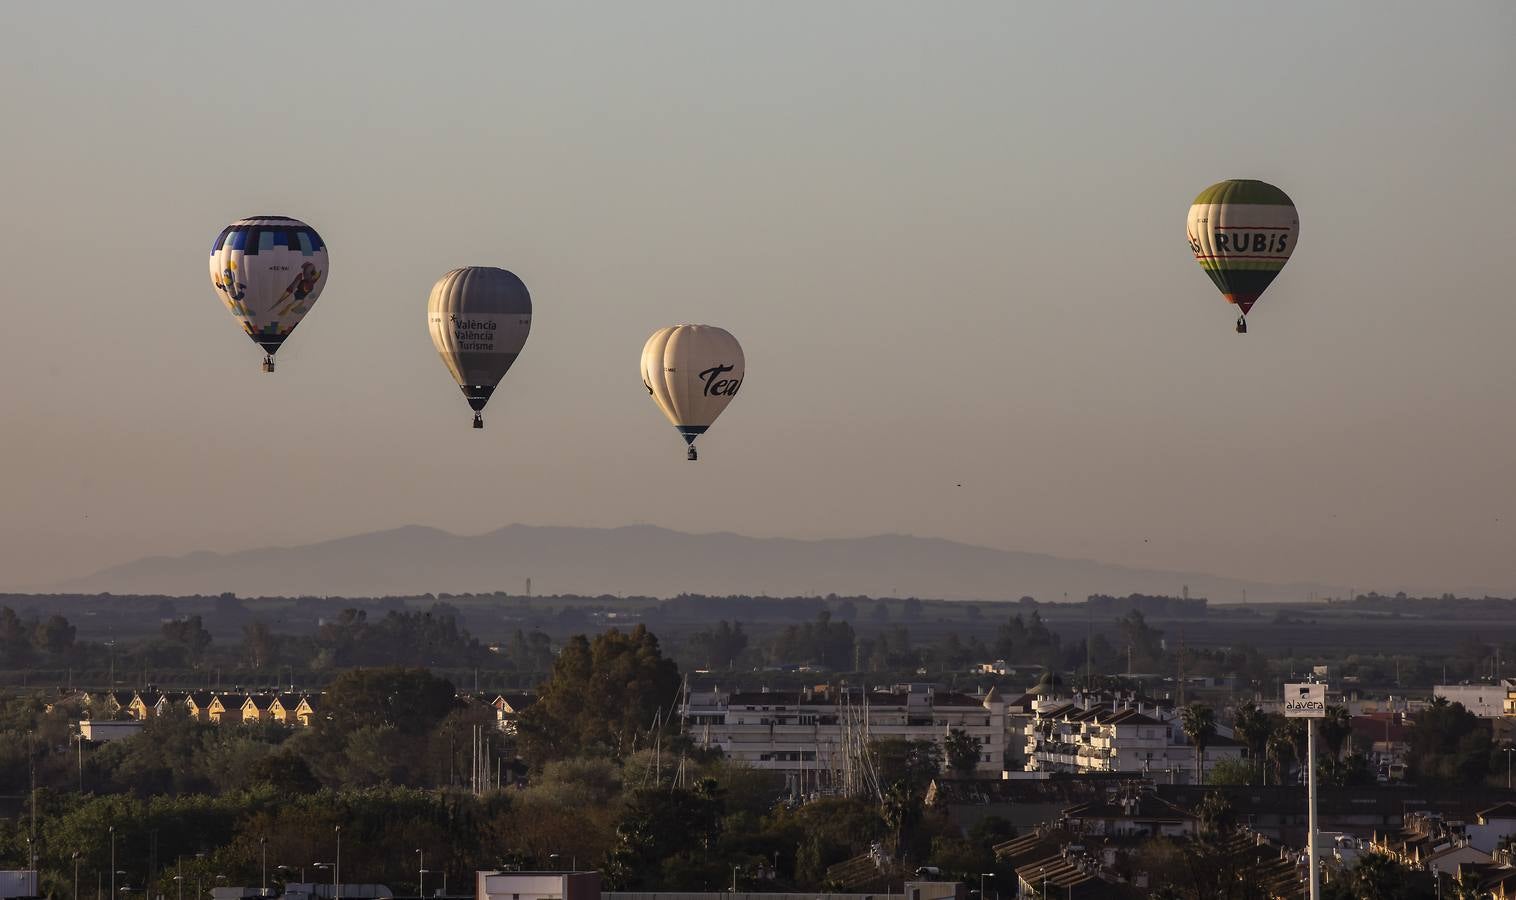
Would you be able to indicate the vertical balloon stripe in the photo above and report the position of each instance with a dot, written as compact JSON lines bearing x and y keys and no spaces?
{"x":479,"y":319}
{"x":267,"y":280}
{"x":693,"y":371}
{"x":1242,"y":233}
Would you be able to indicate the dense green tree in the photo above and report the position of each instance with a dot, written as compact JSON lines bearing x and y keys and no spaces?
{"x":54,"y":636}
{"x":719,"y":647}
{"x":189,"y":633}
{"x":601,"y":697}
{"x":1449,"y":745}
{"x":409,"y":700}
{"x":258,"y":644}
{"x":662,"y":825}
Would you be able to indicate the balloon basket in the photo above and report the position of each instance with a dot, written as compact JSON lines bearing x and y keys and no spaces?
{"x":478,"y":420}
{"x":692,"y":455}
{"x":268,"y":364}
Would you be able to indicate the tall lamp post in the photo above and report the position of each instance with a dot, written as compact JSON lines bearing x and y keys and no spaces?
{"x":76,"y":874}
{"x":263,"y":850}
{"x":982,"y":877}
{"x":112,"y":830}
{"x":1508,"y":752}
{"x":421,"y":874}
{"x":337,"y":867}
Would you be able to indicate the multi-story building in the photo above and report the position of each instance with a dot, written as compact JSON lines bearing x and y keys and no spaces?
{"x":1487,"y":701}
{"x":815,"y":735}
{"x":1087,"y":736}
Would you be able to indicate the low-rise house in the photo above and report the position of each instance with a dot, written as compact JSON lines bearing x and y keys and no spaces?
{"x":1130,"y":813}
{"x":225,"y":708}
{"x":1492,"y":827}
{"x":255,"y":708}
{"x":305,"y":710}
{"x":282,"y":709}
{"x":143,"y":704}
{"x":169,"y":702}
{"x":508,"y":707}
{"x":198,"y":705}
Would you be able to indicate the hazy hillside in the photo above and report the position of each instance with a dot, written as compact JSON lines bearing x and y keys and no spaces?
{"x":643,"y":559}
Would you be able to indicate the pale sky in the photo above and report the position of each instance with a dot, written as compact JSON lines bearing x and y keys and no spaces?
{"x":950,"y":238}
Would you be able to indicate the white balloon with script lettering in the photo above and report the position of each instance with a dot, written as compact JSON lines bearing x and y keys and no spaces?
{"x":693,"y":372}
{"x":479,"y":318}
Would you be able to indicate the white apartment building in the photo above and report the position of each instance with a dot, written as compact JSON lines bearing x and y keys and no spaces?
{"x":811,"y":734}
{"x":1487,"y":701}
{"x":1071,"y":737}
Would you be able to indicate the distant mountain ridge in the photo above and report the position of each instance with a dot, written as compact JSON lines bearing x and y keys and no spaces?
{"x":653,"y":561}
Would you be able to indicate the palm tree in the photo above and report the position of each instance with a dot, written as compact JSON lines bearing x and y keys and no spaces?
{"x":1279,"y":750}
{"x":1199,"y":724}
{"x":1335,"y":728}
{"x":1253,"y":728}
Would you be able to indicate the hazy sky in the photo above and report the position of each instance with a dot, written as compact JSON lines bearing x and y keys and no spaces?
{"x":949,"y":236}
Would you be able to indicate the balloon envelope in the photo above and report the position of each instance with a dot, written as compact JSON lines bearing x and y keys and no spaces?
{"x":1242,"y":233}
{"x":693,"y":372}
{"x":479,"y":318}
{"x":269,"y":270}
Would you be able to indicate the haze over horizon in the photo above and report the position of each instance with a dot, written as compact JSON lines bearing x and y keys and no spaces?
{"x":952,"y":248}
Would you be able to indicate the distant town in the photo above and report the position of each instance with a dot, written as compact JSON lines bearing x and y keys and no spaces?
{"x":487,"y":745}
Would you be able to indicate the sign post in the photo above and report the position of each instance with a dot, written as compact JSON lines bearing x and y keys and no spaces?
{"x":1308,"y":701}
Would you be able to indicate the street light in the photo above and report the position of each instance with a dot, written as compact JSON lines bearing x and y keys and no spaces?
{"x":982,"y":877}
{"x":337,"y":866}
{"x":76,"y":874}
{"x":421,"y":874}
{"x":112,"y":830}
{"x":1508,"y":752}
{"x":734,"y":880}
{"x":263,"y":848}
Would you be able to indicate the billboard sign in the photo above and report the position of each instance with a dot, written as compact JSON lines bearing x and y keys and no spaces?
{"x":1305,"y":701}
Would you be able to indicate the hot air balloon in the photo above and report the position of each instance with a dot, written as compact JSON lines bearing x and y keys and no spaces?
{"x":1242,"y":233}
{"x":479,"y":318}
{"x":269,"y":270}
{"x":693,"y":372}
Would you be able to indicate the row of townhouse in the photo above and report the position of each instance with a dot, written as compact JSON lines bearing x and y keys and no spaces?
{"x":816,"y":735}
{"x":1090,"y":735}
{"x":207,"y":706}
{"x":288,"y":708}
